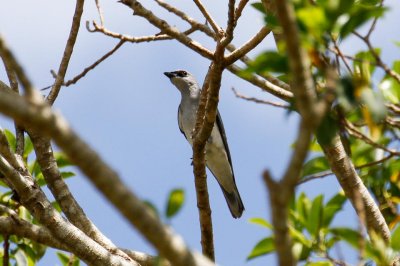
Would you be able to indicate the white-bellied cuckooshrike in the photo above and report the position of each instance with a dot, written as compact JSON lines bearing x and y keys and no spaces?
{"x":218,"y":158}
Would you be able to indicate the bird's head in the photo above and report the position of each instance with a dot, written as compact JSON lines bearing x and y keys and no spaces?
{"x":183,"y":80}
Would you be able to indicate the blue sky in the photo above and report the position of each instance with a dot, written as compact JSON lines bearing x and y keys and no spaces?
{"x":126,"y":109}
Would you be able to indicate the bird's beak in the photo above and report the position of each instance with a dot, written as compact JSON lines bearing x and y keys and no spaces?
{"x":169,"y":74}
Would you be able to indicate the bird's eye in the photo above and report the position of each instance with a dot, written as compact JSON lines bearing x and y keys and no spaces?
{"x":182,"y":73}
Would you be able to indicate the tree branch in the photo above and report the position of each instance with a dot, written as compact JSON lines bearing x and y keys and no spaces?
{"x":69,"y":47}
{"x":353,"y":186}
{"x":302,"y":83}
{"x":19,"y":131}
{"x":247,"y":47}
{"x":217,"y":29}
{"x":13,"y":225}
{"x":92,"y":66}
{"x":61,"y":192}
{"x":256,"y":100}
{"x":41,"y":118}
{"x":263,"y":84}
{"x":36,"y":202}
{"x":139,"y":10}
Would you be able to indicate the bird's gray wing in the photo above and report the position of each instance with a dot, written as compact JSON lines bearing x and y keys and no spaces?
{"x":221,"y":130}
{"x":180,"y":122}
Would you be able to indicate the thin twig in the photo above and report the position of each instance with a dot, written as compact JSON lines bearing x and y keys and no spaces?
{"x":329,"y":172}
{"x":217,"y":29}
{"x":340,"y":54}
{"x":100,"y":11}
{"x":127,"y":38}
{"x":367,"y":41}
{"x":165,"y":28}
{"x":230,"y":25}
{"x":69,"y":47}
{"x":353,"y":58}
{"x":256,"y":100}
{"x":239,"y":9}
{"x":247,"y":46}
{"x":314,"y":176}
{"x":373,"y":24}
{"x":263,"y":84}
{"x":92,"y":66}
{"x":358,"y":134}
{"x":6,"y":250}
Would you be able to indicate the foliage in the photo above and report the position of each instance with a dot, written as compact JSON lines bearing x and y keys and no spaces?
{"x":360,"y":114}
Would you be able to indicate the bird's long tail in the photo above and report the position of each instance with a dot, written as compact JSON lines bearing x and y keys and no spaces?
{"x":234,"y":202}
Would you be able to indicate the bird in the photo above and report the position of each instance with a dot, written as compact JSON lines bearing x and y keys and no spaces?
{"x":217,"y":155}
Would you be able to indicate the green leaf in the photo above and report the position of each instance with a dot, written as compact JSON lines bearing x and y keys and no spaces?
{"x":375,"y":104}
{"x":315,"y":165}
{"x":346,"y":93}
{"x":30,"y":254}
{"x":39,"y":249}
{"x":175,"y":202}
{"x":28,"y":146}
{"x":319,"y":263}
{"x":269,"y":61}
{"x":260,"y":221}
{"x":359,"y":15}
{"x":303,"y":206}
{"x":10,"y":138}
{"x":313,"y":19}
{"x":67,"y":174}
{"x":314,"y":220}
{"x":365,"y":60}
{"x":21,"y":258}
{"x":62,"y":160}
{"x":263,"y":247}
{"x":314,"y":146}
{"x":63,"y":258}
{"x":390,"y":87}
{"x":300,"y":251}
{"x":351,"y":236}
{"x":327,"y":129}
{"x":299,"y":237}
{"x":334,"y":205}
{"x":34,"y":168}
{"x":395,"y":239}
{"x":40,"y":179}
{"x":259,"y":6}
{"x":56,"y":206}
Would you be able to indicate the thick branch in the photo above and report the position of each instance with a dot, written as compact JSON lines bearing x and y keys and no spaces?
{"x":21,"y":228}
{"x":302,"y":82}
{"x":353,"y":186}
{"x":33,"y":198}
{"x":15,"y":226}
{"x":19,"y":131}
{"x":41,"y":118}
{"x":272,"y":85}
{"x":64,"y":197}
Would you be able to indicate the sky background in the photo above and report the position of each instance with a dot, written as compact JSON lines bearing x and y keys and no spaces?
{"x":126,"y":109}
